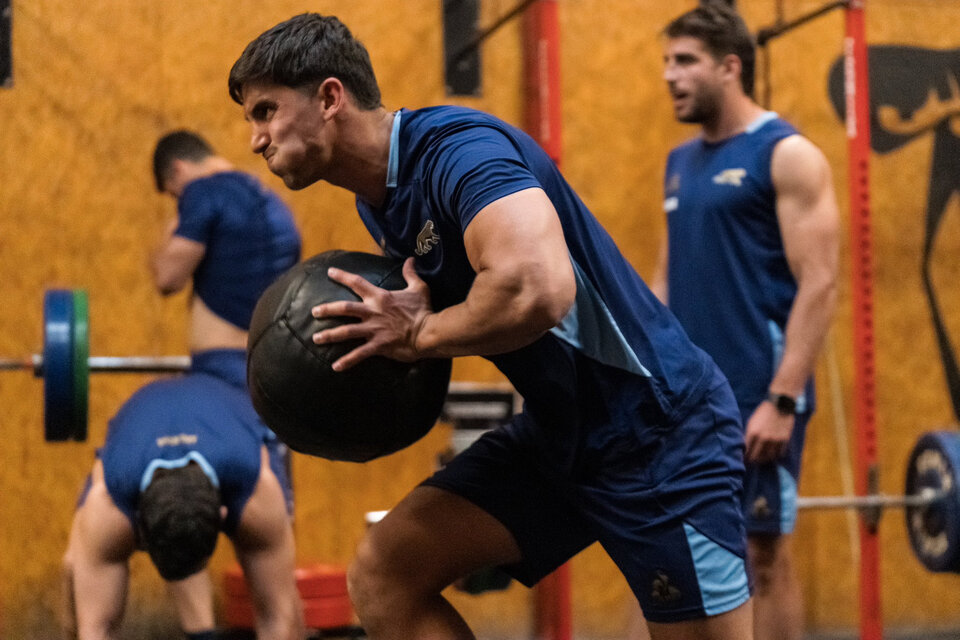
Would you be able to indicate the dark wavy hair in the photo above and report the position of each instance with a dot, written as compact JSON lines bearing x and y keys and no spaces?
{"x":178,"y":520}
{"x":177,"y":145}
{"x":304,"y":51}
{"x":721,"y":29}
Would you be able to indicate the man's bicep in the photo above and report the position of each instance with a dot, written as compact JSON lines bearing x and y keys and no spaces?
{"x":806,"y":203}
{"x":520,"y":227}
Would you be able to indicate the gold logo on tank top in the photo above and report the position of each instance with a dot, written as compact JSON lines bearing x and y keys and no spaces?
{"x":733,"y":177}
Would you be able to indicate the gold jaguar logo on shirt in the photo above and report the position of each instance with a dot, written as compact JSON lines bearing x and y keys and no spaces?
{"x":426,"y":239}
{"x":733,"y":177}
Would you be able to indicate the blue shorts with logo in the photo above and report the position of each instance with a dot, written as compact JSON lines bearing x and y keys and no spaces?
{"x":770,"y":489}
{"x":667,"y":511}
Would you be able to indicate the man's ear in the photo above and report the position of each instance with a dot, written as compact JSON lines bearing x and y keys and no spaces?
{"x":332,"y":96}
{"x":178,"y":170}
{"x":732,"y":67}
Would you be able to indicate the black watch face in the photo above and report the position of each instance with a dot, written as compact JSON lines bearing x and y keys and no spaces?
{"x":786,"y":404}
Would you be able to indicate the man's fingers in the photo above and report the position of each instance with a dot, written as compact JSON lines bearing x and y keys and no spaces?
{"x":358,"y":284}
{"x":410,"y":274}
{"x":359,"y":354}
{"x":760,"y":451}
{"x":352,"y":331}
{"x":342,"y":308}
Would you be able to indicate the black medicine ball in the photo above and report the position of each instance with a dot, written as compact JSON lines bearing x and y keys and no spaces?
{"x":372,"y":409}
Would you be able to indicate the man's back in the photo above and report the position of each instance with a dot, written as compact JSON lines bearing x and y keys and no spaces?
{"x":249,"y":237}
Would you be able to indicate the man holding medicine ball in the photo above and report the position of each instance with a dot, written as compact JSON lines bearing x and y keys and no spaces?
{"x":629,"y":436}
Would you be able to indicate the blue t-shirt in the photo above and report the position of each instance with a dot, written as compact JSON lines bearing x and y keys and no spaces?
{"x":196,"y":417}
{"x":618,"y":358}
{"x":728,"y":280}
{"x":250,"y":238}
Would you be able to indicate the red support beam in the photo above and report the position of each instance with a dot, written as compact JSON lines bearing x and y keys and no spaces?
{"x":541,"y":60}
{"x":542,"y":120}
{"x":857,"y":91}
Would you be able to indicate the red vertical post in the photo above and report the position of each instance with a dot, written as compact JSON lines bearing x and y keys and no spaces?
{"x":857,"y":92}
{"x":541,"y":34}
{"x":541,"y":61}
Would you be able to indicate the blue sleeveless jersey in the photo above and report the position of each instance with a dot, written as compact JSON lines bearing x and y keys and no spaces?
{"x":618,"y":358}
{"x":250,"y":238}
{"x":175,"y":420}
{"x":729,"y":283}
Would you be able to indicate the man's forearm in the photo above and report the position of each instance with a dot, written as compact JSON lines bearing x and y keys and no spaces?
{"x":499,"y":315}
{"x":68,"y":610}
{"x":806,"y":329}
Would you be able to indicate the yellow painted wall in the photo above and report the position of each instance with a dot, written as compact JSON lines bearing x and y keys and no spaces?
{"x":95,"y":83}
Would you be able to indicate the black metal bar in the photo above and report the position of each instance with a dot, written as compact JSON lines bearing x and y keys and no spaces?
{"x":767,"y":34}
{"x":475,"y":42}
{"x":6,"y":44}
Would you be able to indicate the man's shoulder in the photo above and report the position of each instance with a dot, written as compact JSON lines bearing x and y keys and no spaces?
{"x":445,"y":114}
{"x":431,"y":125}
{"x":687,"y":145}
{"x":217,"y":183}
{"x":772,"y":127}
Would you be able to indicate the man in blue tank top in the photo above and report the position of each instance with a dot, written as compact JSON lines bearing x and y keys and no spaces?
{"x":184,"y":459}
{"x":629,"y":436}
{"x":750,"y":269}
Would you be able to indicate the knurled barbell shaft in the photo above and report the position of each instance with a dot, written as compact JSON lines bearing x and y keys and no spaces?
{"x":145,"y":364}
{"x":116,"y":364}
{"x":927,"y":496}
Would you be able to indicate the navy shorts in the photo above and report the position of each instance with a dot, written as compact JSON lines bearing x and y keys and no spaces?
{"x":770,"y":489}
{"x":667,"y":512}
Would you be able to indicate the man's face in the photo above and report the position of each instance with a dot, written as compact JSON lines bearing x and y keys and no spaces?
{"x":694,"y":79}
{"x":289,"y":130}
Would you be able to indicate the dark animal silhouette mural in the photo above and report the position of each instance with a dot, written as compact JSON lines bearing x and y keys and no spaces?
{"x":914,"y":92}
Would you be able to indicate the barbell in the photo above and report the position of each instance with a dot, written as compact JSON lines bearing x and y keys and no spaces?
{"x":65,"y":364}
{"x":931,"y":499}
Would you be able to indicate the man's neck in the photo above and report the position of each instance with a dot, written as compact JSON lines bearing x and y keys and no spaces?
{"x":733,"y":118}
{"x":362,"y":153}
{"x":213,"y":164}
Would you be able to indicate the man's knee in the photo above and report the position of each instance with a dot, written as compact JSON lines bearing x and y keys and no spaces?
{"x":377,"y":573}
{"x":769,"y":559}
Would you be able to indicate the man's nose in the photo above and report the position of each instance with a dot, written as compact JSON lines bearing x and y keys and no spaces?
{"x":259,"y":140}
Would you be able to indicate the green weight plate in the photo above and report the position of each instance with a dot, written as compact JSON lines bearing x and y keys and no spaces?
{"x":81,"y":364}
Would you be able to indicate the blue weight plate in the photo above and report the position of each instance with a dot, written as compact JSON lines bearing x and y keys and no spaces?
{"x":58,"y":382}
{"x":934,"y":530}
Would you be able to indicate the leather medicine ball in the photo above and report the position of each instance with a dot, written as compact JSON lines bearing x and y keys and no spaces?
{"x":377,"y":407}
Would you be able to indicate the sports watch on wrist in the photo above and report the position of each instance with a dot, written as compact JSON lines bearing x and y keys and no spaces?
{"x":785,"y":405}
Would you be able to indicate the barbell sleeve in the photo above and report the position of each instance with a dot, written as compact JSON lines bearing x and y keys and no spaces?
{"x":12,"y":364}
{"x":140,"y":364}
